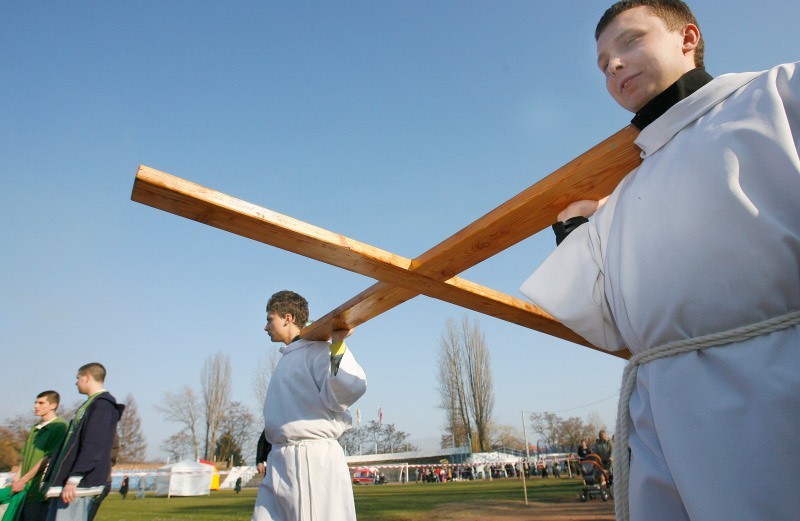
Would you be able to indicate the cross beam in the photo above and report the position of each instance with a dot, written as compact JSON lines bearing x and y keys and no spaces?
{"x":591,"y":175}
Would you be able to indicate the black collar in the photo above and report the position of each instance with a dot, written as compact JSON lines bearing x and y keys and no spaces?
{"x":683,"y":88}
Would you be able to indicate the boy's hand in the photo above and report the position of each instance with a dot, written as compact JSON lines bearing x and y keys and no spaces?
{"x":338,"y":348}
{"x":68,"y":493}
{"x":340,"y":334}
{"x":585,"y":208}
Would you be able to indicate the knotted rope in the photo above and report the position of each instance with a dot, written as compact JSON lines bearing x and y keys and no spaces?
{"x":621,"y":470}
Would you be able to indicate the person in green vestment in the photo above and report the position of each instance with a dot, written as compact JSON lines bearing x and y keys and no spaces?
{"x":25,"y":500}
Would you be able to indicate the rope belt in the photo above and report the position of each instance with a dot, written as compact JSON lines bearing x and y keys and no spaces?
{"x":677,"y":347}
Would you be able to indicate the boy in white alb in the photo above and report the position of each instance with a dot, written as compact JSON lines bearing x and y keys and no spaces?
{"x":305,"y":412}
{"x":695,"y":258}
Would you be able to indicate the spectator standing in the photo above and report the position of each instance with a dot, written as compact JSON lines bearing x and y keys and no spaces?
{"x":80,"y":476}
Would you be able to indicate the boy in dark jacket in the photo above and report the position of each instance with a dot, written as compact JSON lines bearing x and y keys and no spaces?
{"x":81,"y":469}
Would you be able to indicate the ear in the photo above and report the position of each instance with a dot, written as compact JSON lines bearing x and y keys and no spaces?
{"x":288,"y":317}
{"x":691,"y":38}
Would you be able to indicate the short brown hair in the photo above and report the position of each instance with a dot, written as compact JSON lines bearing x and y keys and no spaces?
{"x":50,"y":396}
{"x":290,"y":302}
{"x":675,"y":14}
{"x":95,"y":370}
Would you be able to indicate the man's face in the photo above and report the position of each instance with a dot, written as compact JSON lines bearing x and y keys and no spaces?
{"x":82,"y":383}
{"x":640,"y":57}
{"x":278,"y":327}
{"x":42,"y":407}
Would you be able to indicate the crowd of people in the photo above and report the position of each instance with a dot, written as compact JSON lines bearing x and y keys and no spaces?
{"x":544,"y":468}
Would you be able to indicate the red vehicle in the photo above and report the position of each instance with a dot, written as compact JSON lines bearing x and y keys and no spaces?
{"x":366,"y":476}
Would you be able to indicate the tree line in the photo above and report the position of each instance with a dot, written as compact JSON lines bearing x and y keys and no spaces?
{"x":564,"y":434}
{"x":375,"y":438}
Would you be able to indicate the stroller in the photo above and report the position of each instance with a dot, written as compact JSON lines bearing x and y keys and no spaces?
{"x":596,"y":479}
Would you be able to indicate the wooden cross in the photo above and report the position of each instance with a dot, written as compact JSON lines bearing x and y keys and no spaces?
{"x":592,"y":175}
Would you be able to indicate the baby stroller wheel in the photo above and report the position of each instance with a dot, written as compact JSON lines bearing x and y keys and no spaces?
{"x":604,"y":494}
{"x":584,"y":496}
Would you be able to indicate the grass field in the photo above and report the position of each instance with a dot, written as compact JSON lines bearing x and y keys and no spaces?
{"x":409,"y":502}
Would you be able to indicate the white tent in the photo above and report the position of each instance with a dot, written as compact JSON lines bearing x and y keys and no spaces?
{"x":185,"y":478}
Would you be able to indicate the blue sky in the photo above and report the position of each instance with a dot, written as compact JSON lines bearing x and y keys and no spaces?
{"x":393,"y":123}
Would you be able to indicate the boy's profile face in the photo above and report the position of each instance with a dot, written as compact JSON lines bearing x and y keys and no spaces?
{"x":41,"y":407}
{"x":82,"y":382}
{"x":640,"y":57}
{"x":279,"y":327}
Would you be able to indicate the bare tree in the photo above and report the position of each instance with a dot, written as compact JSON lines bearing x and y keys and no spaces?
{"x":478,"y":369}
{"x":401,"y":443}
{"x":132,"y":445}
{"x":452,"y":391}
{"x":18,"y":427}
{"x":465,"y":383}
{"x":68,"y":411}
{"x":548,"y":426}
{"x":507,"y":436}
{"x":572,"y":431}
{"x":179,"y":445}
{"x":372,"y":435}
{"x":264,"y":368}
{"x":10,"y":448}
{"x":594,"y":424}
{"x":560,"y":434}
{"x":352,"y":440}
{"x":215,"y":381}
{"x":183,"y":407}
{"x":242,"y":427}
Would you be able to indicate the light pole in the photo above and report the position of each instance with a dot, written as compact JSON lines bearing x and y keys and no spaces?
{"x":525,"y":433}
{"x":528,"y":456}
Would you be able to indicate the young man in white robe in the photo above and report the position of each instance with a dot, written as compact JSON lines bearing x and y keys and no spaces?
{"x":305,"y":411}
{"x":702,"y":238}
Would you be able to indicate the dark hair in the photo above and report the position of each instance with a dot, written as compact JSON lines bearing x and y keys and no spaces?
{"x":50,"y":396}
{"x":675,"y":14}
{"x":290,"y":302}
{"x":95,"y":370}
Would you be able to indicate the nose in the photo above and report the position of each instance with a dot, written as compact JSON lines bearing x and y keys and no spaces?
{"x":614,"y":65}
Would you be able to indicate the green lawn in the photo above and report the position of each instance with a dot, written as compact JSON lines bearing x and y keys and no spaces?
{"x":379,"y":503}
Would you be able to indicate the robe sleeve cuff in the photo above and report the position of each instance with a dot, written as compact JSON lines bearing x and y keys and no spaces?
{"x":564,"y":228}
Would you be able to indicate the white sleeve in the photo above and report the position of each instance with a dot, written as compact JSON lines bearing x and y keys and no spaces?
{"x":348,"y":385}
{"x":570,"y":286}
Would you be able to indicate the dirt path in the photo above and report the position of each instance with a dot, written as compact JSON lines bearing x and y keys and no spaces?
{"x":512,"y":511}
